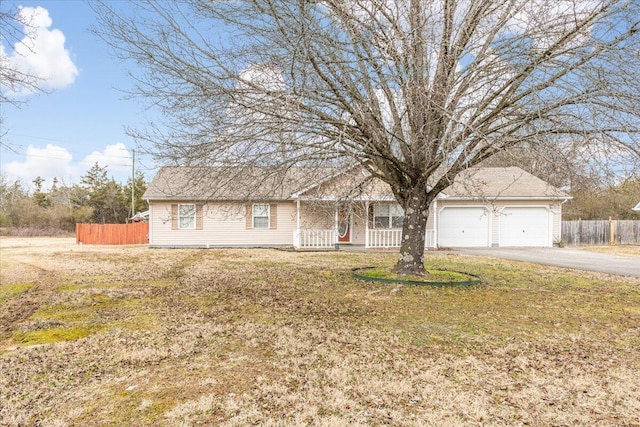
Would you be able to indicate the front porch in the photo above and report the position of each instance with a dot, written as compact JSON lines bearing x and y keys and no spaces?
{"x":371,"y":224}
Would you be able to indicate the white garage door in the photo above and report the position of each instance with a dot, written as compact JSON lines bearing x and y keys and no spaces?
{"x":463,"y":227}
{"x":525,"y":227}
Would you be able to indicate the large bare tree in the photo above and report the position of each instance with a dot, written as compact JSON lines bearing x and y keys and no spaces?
{"x":414,"y":90}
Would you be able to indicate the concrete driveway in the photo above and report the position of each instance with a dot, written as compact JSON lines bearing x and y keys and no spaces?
{"x":565,"y":257}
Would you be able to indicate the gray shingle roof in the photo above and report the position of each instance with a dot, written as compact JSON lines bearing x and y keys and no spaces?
{"x":263,"y":183}
{"x":231,"y":183}
{"x":508,"y":182}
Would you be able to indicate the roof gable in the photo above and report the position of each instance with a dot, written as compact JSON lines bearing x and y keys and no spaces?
{"x":505,"y":182}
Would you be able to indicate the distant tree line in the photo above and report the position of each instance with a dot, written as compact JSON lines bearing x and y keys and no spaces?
{"x":597,"y":192}
{"x":597,"y":202}
{"x":56,"y":209}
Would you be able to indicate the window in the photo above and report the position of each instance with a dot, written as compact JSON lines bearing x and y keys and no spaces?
{"x":187,"y":216}
{"x":260,"y":216}
{"x":381,"y":216}
{"x":388,"y":216}
{"x":397,"y":216}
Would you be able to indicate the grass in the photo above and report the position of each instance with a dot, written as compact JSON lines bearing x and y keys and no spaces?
{"x":13,"y":289}
{"x":51,"y":335}
{"x":431,"y":275}
{"x":131,"y":336}
{"x":623,"y":250}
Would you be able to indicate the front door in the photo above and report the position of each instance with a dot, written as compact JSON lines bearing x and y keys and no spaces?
{"x":344,"y":224}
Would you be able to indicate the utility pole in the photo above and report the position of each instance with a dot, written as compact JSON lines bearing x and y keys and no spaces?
{"x":133,"y":184}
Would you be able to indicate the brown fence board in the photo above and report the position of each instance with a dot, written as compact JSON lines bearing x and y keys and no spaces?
{"x":113,"y":234}
{"x":598,"y":232}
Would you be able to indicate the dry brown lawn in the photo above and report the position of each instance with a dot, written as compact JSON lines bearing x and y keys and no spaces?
{"x":622,"y":250}
{"x":118,"y":336}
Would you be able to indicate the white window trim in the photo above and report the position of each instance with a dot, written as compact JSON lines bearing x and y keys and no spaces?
{"x":180,"y":216}
{"x":253,"y":216}
{"x":389,"y":216}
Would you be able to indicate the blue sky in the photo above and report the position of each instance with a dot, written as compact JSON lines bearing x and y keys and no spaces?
{"x":82,"y":117}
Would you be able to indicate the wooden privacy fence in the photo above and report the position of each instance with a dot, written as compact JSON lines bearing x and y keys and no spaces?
{"x":113,"y":234}
{"x":601,"y":232}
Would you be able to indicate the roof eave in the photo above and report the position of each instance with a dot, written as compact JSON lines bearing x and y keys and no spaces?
{"x":506,"y":198}
{"x":211,"y":200}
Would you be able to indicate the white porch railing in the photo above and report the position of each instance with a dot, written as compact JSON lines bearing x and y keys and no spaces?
{"x":309,"y":238}
{"x":385,"y":238}
{"x":391,"y":238}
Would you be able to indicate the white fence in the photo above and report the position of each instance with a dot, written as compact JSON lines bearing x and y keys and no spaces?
{"x":389,"y":238}
{"x":392,"y":238}
{"x":309,"y":238}
{"x":379,"y":238}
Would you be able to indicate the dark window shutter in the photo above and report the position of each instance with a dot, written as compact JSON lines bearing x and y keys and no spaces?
{"x":273,"y":216}
{"x":198,"y":217}
{"x":249,"y":223}
{"x":174,"y":217}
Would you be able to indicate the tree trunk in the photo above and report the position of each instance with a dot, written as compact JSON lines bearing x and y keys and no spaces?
{"x":416,"y":212}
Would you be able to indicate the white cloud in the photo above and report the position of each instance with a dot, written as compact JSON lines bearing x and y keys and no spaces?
{"x":55,"y":161}
{"x":41,"y":53}
{"x":47,"y":163}
{"x":117,"y":157}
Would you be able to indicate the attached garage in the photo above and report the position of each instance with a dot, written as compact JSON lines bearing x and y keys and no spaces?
{"x":463,"y":227}
{"x":526,"y":226}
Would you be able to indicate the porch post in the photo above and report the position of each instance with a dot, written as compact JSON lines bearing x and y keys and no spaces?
{"x":366,"y":224}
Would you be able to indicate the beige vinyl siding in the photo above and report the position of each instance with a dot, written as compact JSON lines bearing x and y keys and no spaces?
{"x":431,"y":219}
{"x":223,"y":224}
{"x":556,"y":208}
